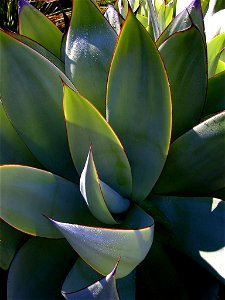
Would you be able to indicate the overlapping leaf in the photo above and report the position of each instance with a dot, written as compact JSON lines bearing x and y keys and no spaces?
{"x":100,"y":198}
{"x":101,"y":247}
{"x":28,"y":193}
{"x":34,"y":104}
{"x":89,"y":47}
{"x":136,"y":79}
{"x":214,"y":48}
{"x":187,"y":65}
{"x":86,"y":126}
{"x":198,"y":225}
{"x":195,"y":164}
{"x":39,"y":269}
{"x":35,"y":25}
{"x":82,"y":276}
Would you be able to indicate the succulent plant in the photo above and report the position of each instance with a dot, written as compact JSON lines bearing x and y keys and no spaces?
{"x":102,"y":133}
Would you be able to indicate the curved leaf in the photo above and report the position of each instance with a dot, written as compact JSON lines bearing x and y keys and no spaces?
{"x":102,"y":289}
{"x":40,"y":49}
{"x":27,"y":194}
{"x":195,"y":164}
{"x":215,"y":100}
{"x":10,"y":241}
{"x":35,"y":25}
{"x":86,"y":126}
{"x":82,"y":275}
{"x":89,"y":47}
{"x":136,"y":79}
{"x":187,"y":66}
{"x":12,"y":149}
{"x":39,"y":269}
{"x":198,"y":225}
{"x":214,"y":48}
{"x":101,"y":247}
{"x":34,"y":104}
{"x":221,"y":65}
{"x":190,"y":15}
{"x":96,"y":194}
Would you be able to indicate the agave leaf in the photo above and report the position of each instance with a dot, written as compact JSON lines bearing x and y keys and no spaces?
{"x":10,"y":241}
{"x":198,"y":226}
{"x":214,"y":24}
{"x":215,"y":100}
{"x":86,"y":126}
{"x":27,"y":194}
{"x":89,"y":47}
{"x":220,"y":66}
{"x":190,"y":15}
{"x":39,"y":269}
{"x":214,"y":48}
{"x":154,"y":20}
{"x":82,"y":275}
{"x":100,"y":198}
{"x":36,"y":26}
{"x":132,"y":109}
{"x":40,"y":49}
{"x":188,"y":96}
{"x":12,"y":149}
{"x":36,"y":99}
{"x":195,"y":163}
{"x":102,"y":289}
{"x":113,"y":17}
{"x":101,"y":247}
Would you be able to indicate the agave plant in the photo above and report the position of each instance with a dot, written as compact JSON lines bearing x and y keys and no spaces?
{"x":100,"y":134}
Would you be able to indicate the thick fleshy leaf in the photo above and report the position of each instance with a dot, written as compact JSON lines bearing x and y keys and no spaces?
{"x":198,"y":224}
{"x":188,"y":66}
{"x":220,"y":66}
{"x":82,"y":276}
{"x":100,"y":198}
{"x":190,"y":15}
{"x":33,"y":24}
{"x":214,"y":23}
{"x":105,"y":288}
{"x":214,"y":48}
{"x":86,"y":126}
{"x":39,"y":269}
{"x":137,"y":78}
{"x":154,"y":20}
{"x":89,"y":47}
{"x":101,"y":247}
{"x":10,"y":241}
{"x":12,"y":149}
{"x":34,"y":104}
{"x":195,"y":164}
{"x":27,"y":194}
{"x":40,"y":49}
{"x":113,"y":17}
{"x":215,"y":100}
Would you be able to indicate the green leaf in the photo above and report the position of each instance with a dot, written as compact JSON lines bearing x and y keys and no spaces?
{"x":190,"y":15}
{"x":188,"y":66}
{"x":198,"y":225}
{"x":40,"y":49}
{"x":214,"y":48}
{"x":36,"y":26}
{"x":82,"y":276}
{"x":89,"y":47}
{"x":154,"y":20}
{"x":39,"y":269}
{"x":12,"y":149}
{"x":102,"y":289}
{"x":220,"y":67}
{"x":10,"y":241}
{"x":86,"y":126}
{"x":215,"y":100}
{"x":100,"y":198}
{"x":101,"y":247}
{"x":195,"y":163}
{"x":137,"y":78}
{"x":27,"y":194}
{"x":34,"y":104}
